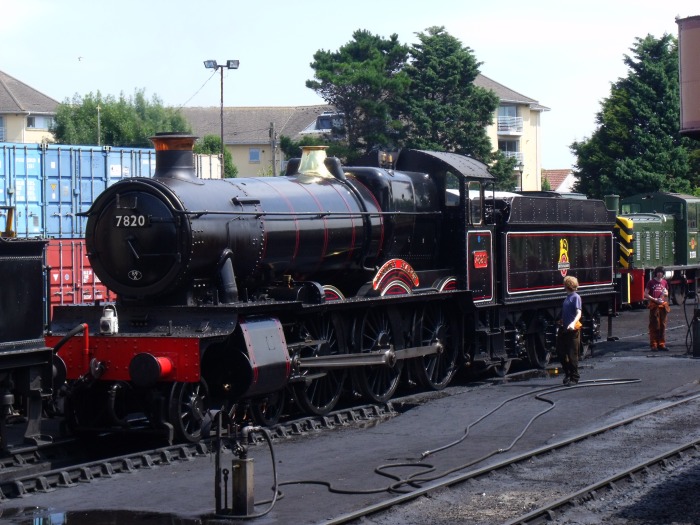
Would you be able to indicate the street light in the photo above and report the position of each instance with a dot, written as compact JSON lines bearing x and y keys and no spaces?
{"x":230,"y":64}
{"x":520,"y":167}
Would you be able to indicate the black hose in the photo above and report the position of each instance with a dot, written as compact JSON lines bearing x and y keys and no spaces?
{"x":75,"y":331}
{"x":689,"y":343}
{"x":401,"y":484}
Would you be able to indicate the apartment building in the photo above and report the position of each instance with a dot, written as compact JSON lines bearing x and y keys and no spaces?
{"x":25,"y":113}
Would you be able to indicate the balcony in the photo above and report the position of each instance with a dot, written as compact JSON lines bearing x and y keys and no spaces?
{"x":510,"y":125}
{"x":513,"y":154}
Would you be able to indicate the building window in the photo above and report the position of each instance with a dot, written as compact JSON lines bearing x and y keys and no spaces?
{"x":507,"y":111}
{"x":254,"y":155}
{"x":2,"y":129}
{"x":509,"y":123}
{"x":510,"y":148}
{"x":37,"y":122}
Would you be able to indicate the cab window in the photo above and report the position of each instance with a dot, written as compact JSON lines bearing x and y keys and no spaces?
{"x":674,"y":208}
{"x":451,"y":189}
{"x":475,"y":203}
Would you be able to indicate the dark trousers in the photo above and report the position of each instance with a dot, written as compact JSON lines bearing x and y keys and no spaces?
{"x":568,"y":342}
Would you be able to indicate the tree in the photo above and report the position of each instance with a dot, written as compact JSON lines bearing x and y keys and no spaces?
{"x":211,"y":145}
{"x":443,"y":108}
{"x":637,"y":147}
{"x":123,"y":121}
{"x":503,"y":170}
{"x":393,"y":96}
{"x":363,"y":80}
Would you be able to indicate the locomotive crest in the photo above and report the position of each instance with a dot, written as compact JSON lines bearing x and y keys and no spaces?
{"x":563,"y":265}
{"x":395,"y":273}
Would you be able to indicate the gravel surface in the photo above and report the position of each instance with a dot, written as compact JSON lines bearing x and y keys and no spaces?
{"x":668,"y":498}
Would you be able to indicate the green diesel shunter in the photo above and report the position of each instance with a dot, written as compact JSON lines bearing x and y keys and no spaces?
{"x":665,"y":227}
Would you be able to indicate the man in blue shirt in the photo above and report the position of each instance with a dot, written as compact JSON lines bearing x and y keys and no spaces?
{"x":569,"y":334}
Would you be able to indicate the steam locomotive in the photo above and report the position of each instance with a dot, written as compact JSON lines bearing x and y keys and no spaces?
{"x":327,"y":280}
{"x":26,"y":363}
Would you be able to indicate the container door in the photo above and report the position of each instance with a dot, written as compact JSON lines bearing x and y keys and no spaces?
{"x":27,"y":190}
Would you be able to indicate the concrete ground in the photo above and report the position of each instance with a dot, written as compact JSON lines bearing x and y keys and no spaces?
{"x":346,"y":458}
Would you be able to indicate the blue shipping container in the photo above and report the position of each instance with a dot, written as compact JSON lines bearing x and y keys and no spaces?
{"x":20,"y":171}
{"x":49,"y":185}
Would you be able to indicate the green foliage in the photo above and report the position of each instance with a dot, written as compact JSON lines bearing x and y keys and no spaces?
{"x":503,"y":169}
{"x":546,"y":186}
{"x":393,"y":96}
{"x":363,"y":80}
{"x":211,"y":145}
{"x":124,"y":121}
{"x":443,"y":108}
{"x":637,"y":147}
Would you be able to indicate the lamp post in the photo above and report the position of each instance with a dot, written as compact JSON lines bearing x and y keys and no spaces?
{"x":230,"y":64}
{"x":520,"y":167}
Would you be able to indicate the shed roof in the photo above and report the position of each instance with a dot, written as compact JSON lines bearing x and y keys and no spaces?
{"x":251,"y":125}
{"x":18,"y":97}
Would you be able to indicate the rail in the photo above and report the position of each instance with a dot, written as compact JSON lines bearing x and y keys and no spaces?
{"x":500,"y":466}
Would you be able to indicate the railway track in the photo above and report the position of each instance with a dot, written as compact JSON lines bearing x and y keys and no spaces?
{"x":477,"y":492}
{"x":48,"y":467}
{"x":621,"y":481}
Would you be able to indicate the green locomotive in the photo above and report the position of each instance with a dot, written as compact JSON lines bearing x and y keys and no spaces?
{"x":665,"y":233}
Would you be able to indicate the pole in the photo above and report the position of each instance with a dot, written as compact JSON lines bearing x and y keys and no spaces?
{"x":273,"y":146}
{"x":222,"y":115}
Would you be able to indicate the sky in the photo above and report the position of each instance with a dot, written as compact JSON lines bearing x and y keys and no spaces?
{"x":561,"y":53}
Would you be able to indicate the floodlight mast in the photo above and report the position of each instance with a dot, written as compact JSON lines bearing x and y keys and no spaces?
{"x":230,"y":64}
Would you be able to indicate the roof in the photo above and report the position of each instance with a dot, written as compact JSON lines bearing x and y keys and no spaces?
{"x":18,"y":97}
{"x":556,"y":178}
{"x":506,"y":94}
{"x":430,"y":161}
{"x":251,"y":125}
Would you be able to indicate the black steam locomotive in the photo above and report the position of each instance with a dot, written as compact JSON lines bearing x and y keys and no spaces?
{"x":26,"y":363}
{"x":327,"y":280}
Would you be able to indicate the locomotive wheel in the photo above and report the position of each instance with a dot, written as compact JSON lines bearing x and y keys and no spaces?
{"x":373,"y":332}
{"x":266,"y":410}
{"x":435,"y":371}
{"x":319,"y":396}
{"x":188,"y":410}
{"x":537,"y":353}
